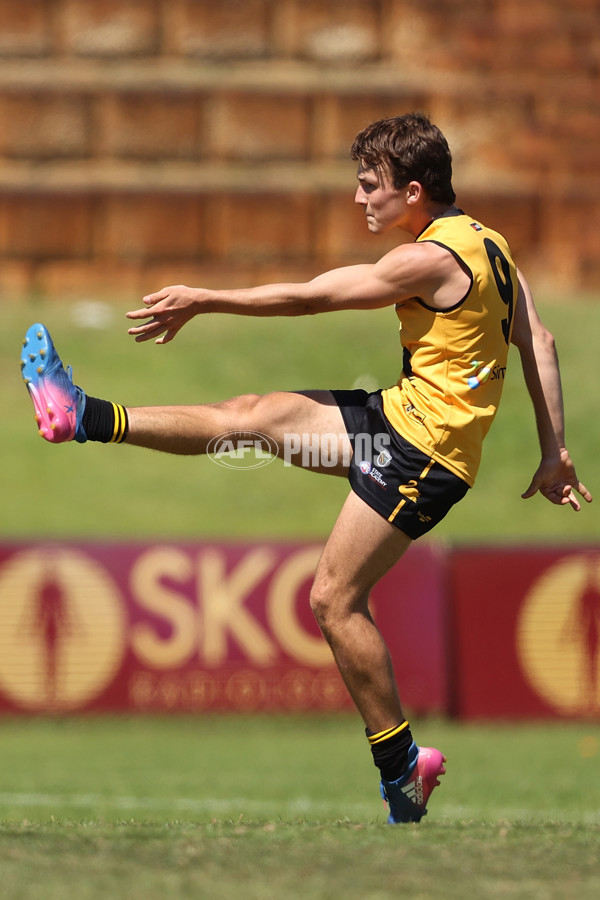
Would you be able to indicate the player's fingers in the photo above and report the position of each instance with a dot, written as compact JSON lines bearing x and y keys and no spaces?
{"x":570,"y":498}
{"x":168,"y":336}
{"x":137,"y":314}
{"x":531,"y":490}
{"x":150,"y":299}
{"x":148,"y":331}
{"x":140,"y":338}
{"x":584,"y":492}
{"x":142,"y":329}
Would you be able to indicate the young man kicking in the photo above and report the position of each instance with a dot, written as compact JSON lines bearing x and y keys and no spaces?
{"x":460,"y":301}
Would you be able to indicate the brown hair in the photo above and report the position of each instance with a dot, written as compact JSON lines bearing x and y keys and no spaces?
{"x":409,"y":148}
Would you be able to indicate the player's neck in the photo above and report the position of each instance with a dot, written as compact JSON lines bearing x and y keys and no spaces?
{"x":425,"y":216}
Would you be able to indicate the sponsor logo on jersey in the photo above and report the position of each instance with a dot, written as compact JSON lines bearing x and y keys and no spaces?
{"x":476,"y":226}
{"x":480,"y":374}
{"x":415,"y":413}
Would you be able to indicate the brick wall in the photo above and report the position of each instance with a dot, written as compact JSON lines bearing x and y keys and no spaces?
{"x":186,"y":140}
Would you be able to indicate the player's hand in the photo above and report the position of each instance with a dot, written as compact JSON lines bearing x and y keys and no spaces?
{"x":167,"y":311}
{"x":557,"y":481}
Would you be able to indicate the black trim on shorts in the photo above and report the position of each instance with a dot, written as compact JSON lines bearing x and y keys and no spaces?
{"x":408,"y":488}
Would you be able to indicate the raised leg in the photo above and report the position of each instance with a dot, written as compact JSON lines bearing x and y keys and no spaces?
{"x":291,"y":419}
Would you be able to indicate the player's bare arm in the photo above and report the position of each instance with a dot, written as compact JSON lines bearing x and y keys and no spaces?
{"x":555,"y":477}
{"x":423,"y":270}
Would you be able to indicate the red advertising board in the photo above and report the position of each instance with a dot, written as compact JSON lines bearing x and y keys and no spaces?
{"x":175,"y":626}
{"x":526,"y":632}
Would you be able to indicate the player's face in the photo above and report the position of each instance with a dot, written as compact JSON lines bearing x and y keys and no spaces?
{"x":385,"y":206}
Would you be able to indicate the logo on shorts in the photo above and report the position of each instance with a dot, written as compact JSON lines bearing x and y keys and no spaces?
{"x":374,"y":474}
{"x":384,"y":459}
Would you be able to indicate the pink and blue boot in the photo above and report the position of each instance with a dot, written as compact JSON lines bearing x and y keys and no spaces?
{"x":407,"y":798}
{"x":58,"y":403}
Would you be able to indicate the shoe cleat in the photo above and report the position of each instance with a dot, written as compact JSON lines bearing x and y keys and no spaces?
{"x":59,"y":404}
{"x":407,"y":798}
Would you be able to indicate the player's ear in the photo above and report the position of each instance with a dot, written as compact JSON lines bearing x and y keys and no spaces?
{"x":414,"y":192}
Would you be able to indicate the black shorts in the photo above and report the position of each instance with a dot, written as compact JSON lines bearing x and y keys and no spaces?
{"x":400,"y":482}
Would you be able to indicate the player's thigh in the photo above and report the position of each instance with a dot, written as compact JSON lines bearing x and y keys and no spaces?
{"x":362,"y":547}
{"x":307,"y":426}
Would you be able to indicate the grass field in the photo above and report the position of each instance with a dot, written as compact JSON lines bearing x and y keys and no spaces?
{"x":278,"y":807}
{"x":229,"y":807}
{"x":130,"y":492}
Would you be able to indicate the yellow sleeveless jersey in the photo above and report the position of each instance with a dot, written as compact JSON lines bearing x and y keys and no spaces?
{"x":455,"y":360}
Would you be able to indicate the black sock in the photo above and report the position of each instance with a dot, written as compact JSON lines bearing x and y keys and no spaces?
{"x":390,"y":750}
{"x":105,"y":421}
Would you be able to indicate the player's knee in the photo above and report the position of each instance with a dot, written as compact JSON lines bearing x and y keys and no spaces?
{"x":324,"y":606}
{"x":319,"y":601}
{"x":239,"y":413}
{"x":334,"y":602}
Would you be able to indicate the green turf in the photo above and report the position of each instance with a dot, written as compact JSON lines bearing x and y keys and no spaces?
{"x":276,"y":807}
{"x":288,"y":807}
{"x":72,"y":491}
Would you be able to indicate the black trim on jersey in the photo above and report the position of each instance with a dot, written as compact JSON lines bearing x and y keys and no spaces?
{"x":463,"y":266}
{"x":449,"y":214}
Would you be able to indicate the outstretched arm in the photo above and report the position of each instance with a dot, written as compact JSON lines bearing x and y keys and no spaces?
{"x":555,"y":477}
{"x":407,"y":271}
{"x":170,"y":308}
